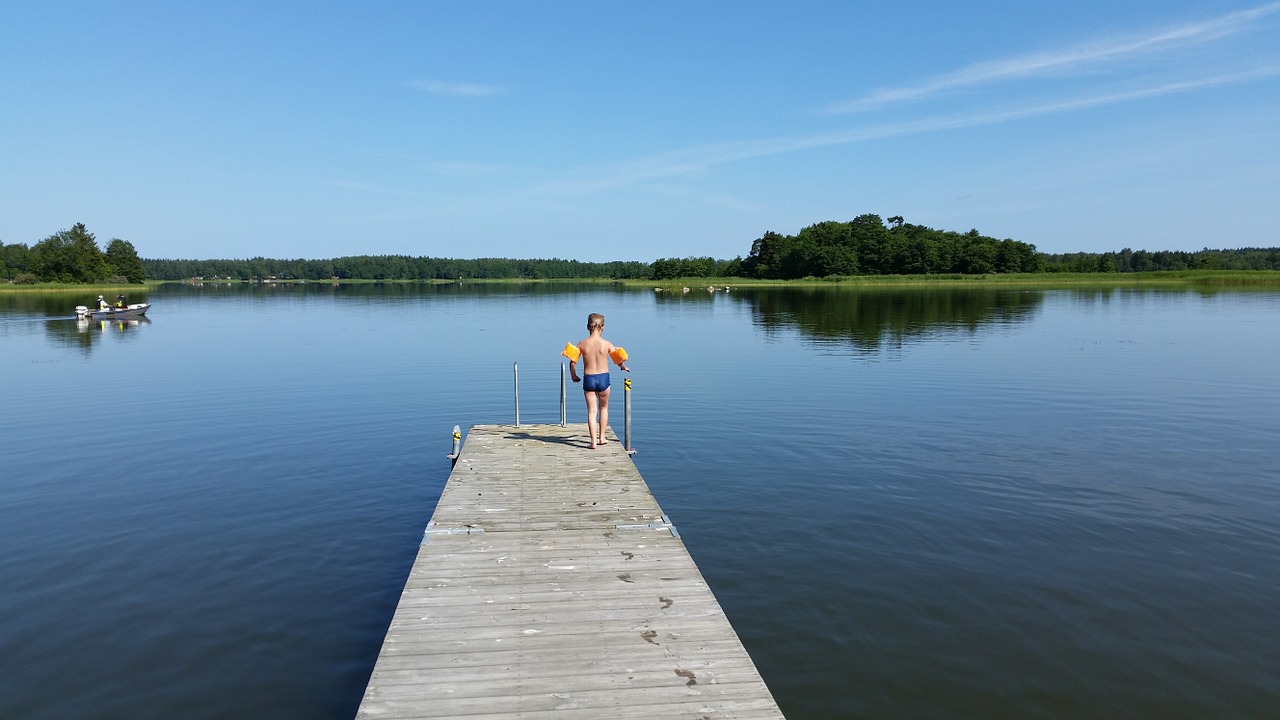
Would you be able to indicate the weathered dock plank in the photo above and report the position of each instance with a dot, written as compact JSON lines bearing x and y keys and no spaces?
{"x":550,"y":585}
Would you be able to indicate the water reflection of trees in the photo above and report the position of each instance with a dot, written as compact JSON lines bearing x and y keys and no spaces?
{"x":58,"y":303}
{"x":872,"y":318}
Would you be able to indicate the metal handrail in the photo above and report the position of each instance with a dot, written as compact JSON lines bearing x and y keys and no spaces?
{"x":564,"y":414}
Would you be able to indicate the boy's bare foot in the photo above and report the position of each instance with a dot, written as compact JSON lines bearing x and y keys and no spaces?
{"x":602,"y":441}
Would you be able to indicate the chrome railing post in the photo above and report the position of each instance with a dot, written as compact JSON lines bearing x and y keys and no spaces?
{"x":564,"y":418}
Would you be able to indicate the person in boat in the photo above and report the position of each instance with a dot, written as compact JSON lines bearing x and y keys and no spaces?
{"x":102,"y":303}
{"x":120,"y":302}
{"x":595,"y":352}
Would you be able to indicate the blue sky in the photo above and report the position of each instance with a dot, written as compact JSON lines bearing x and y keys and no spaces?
{"x":602,"y":130}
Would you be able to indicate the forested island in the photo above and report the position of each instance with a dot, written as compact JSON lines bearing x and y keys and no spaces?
{"x":868,"y":245}
{"x":864,"y":246}
{"x":71,"y":256}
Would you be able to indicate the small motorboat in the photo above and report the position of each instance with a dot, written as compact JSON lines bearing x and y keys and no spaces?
{"x":135,"y":310}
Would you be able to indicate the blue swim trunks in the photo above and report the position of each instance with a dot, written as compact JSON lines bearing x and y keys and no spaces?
{"x":595,"y":383}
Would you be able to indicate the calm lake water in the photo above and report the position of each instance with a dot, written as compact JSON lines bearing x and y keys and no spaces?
{"x":945,"y":503}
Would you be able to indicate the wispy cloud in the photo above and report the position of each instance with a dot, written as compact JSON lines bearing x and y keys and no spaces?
{"x":687,"y":162}
{"x":1063,"y":61}
{"x":702,"y":158}
{"x":477,"y":170}
{"x":454,"y":89}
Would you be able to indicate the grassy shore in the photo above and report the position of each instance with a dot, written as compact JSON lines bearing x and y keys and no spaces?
{"x":77,"y":288}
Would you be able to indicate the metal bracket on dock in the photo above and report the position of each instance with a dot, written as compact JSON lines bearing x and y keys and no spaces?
{"x":664,"y":525}
{"x":457,"y":441}
{"x":432,"y":529}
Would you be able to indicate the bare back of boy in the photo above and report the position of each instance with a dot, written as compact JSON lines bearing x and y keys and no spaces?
{"x":595,"y":355}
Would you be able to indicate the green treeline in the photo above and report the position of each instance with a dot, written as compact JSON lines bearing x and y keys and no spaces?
{"x":392,"y":267}
{"x":865,"y":245}
{"x":71,"y":256}
{"x":1142,"y":261}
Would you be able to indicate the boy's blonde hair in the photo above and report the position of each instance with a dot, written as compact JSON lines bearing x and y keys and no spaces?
{"x":595,"y":321}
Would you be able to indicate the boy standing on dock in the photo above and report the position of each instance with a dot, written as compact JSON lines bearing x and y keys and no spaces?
{"x":595,"y":352}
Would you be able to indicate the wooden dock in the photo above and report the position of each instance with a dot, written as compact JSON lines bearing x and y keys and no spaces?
{"x":549,"y":585}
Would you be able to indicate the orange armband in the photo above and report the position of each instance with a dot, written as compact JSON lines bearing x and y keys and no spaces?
{"x":571,"y":351}
{"x":619,"y":355}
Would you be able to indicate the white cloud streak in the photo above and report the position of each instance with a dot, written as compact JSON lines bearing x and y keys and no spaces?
{"x":454,"y":89}
{"x":705,"y":157}
{"x":1064,"y":61}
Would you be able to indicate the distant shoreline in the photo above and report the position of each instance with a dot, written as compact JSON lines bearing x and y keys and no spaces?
{"x":1174,"y":278}
{"x":1048,"y":281}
